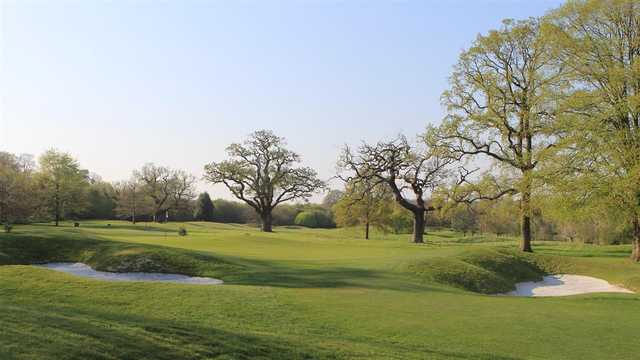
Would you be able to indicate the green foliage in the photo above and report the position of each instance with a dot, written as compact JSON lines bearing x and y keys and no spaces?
{"x":285,"y":214}
{"x":315,"y":218}
{"x":101,"y":201}
{"x":63,"y":183}
{"x":18,"y":193}
{"x":362,"y":204}
{"x":205,"y":210}
{"x":226,"y":211}
{"x":400,"y":220}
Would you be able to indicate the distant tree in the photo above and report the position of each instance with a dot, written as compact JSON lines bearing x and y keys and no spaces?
{"x":463,"y":219}
{"x":226,"y":211}
{"x":401,"y":220}
{"x":260,"y":172}
{"x":497,"y":216}
{"x":315,"y":218}
{"x":168,"y":189}
{"x":131,"y":200}
{"x":365,"y":205}
{"x":63,"y":183}
{"x":101,"y":201}
{"x":17,"y":191}
{"x":331,"y":198}
{"x":404,"y":169}
{"x":204,"y":208}
{"x":285,"y":214}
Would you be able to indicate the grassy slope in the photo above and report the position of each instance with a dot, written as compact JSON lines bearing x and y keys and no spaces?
{"x":301,"y":293}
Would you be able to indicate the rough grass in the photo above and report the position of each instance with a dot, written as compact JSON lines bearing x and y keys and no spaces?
{"x":110,"y":255}
{"x":305,"y":294}
{"x":487,"y":271}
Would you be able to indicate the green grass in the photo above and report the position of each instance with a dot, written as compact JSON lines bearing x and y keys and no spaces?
{"x":305,"y":294}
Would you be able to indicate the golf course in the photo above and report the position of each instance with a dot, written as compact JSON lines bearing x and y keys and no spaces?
{"x":320,"y":180}
{"x":301,"y":293}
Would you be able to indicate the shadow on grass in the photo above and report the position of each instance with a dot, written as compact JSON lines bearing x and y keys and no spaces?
{"x":109,"y":255}
{"x":72,"y":332}
{"x":57,"y":332}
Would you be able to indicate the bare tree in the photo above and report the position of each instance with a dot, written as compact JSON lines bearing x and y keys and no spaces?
{"x":410,"y":173}
{"x":260,"y":172}
{"x":167,"y":188}
{"x":131,"y":201}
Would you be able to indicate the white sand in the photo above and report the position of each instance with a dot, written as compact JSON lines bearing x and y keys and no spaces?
{"x":84,"y":270}
{"x":563,"y":285}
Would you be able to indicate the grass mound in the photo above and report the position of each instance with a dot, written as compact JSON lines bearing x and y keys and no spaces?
{"x":111,"y":255}
{"x":487,"y":271}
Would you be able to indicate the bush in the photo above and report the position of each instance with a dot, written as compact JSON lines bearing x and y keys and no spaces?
{"x":7,"y":227}
{"x":182,"y":231}
{"x":315,"y":219}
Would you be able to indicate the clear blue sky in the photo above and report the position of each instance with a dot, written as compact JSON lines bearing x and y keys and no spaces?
{"x":121,"y":83}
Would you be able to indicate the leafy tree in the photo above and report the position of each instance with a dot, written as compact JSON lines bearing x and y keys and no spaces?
{"x":315,"y":218}
{"x":204,"y":208}
{"x":366,"y":205}
{"x":285,"y":214}
{"x":17,"y":191}
{"x":463,"y":219}
{"x":131,"y":200}
{"x":232,"y":212}
{"x":402,"y":168}
{"x":503,"y":105}
{"x":64,"y":185}
{"x":261,"y":173}
{"x":597,"y":41}
{"x":101,"y":201}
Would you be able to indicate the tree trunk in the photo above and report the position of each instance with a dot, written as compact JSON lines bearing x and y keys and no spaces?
{"x":418,"y":227}
{"x":366,"y":230}
{"x":525,"y":212}
{"x":635,"y":254}
{"x":57,"y":204}
{"x":266,"y":221}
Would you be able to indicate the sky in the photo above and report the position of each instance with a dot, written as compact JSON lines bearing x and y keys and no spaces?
{"x":118,"y":84}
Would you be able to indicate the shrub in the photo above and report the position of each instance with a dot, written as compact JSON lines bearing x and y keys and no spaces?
{"x":314,"y":219}
{"x":182,"y":231}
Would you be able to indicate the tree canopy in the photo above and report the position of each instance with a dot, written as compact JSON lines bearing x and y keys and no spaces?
{"x":261,"y":172}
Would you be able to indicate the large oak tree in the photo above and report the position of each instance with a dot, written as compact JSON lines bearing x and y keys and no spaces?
{"x":410,"y":173}
{"x":261,"y":172}
{"x":502,"y":105}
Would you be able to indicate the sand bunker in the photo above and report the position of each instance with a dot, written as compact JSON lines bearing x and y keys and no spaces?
{"x":563,"y":285}
{"x":85,"y":270}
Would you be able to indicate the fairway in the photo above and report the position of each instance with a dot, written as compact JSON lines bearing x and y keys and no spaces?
{"x":300,"y":293}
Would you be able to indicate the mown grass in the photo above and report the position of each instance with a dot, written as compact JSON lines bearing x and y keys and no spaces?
{"x":305,"y":294}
